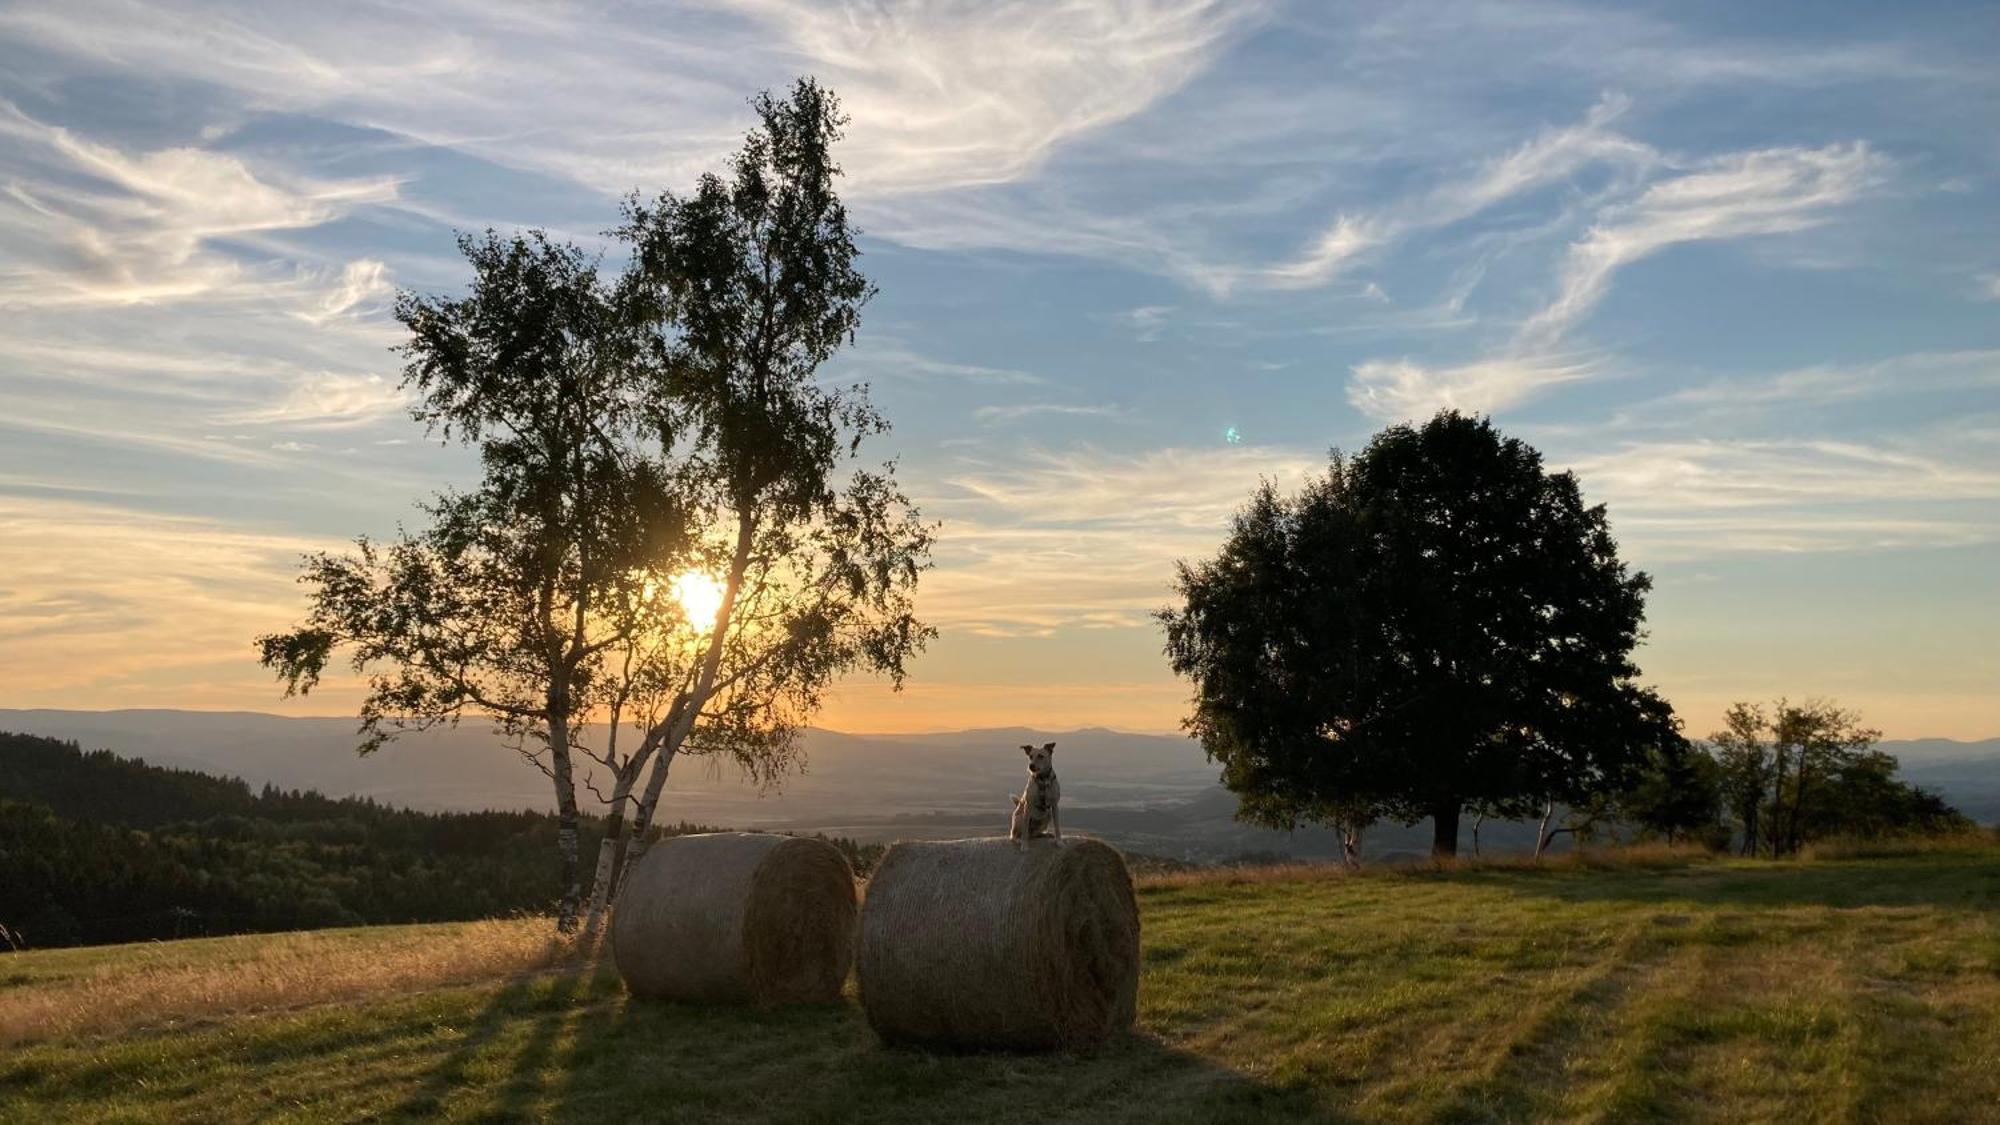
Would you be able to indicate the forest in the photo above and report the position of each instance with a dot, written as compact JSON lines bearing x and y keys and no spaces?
{"x":98,"y":848}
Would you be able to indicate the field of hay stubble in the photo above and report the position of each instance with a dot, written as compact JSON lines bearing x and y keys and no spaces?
{"x":1648,"y":986}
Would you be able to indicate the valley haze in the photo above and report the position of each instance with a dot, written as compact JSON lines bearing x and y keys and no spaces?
{"x":1155,"y":793}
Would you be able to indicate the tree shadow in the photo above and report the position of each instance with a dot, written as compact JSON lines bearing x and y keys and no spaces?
{"x":540,"y":1004}
{"x":584,"y":1049}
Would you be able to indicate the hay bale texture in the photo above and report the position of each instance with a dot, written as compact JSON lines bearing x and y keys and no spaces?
{"x":737,"y":917}
{"x":980,"y":944}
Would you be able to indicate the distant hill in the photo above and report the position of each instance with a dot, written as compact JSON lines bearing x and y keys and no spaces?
{"x":1147,"y":792}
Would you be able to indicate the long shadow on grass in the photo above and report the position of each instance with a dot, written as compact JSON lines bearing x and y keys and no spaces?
{"x":534,"y":1011}
{"x":1955,"y":881}
{"x":637,"y":1059}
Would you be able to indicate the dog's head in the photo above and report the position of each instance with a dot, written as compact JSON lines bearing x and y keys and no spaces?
{"x":1041,"y":759}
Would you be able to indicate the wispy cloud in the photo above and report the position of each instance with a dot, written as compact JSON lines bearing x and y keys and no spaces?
{"x":1016,"y":411}
{"x":1768,"y":191}
{"x":965,"y":93}
{"x":1402,"y":388}
{"x":943,"y":95}
{"x":879,"y":355}
{"x":92,"y":225}
{"x":1904,"y":376}
{"x":101,"y":600}
{"x":1739,"y":195}
{"x":1085,"y":537}
{"x":1679,"y":499}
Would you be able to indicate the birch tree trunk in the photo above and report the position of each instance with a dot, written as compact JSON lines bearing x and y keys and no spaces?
{"x":1350,"y":845}
{"x":609,"y":851}
{"x":642,"y":820}
{"x":1542,"y":832}
{"x":567,"y":821}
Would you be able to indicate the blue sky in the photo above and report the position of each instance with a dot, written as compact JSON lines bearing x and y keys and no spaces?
{"x":1739,"y":265}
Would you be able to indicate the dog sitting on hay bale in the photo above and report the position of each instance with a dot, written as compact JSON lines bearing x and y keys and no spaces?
{"x":984,"y":944}
{"x":735,"y":917}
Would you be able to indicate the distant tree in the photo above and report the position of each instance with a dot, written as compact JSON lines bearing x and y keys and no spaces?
{"x":1814,"y":742}
{"x":1677,"y":794}
{"x":1748,"y":768}
{"x":1794,"y":773}
{"x":1436,"y":622}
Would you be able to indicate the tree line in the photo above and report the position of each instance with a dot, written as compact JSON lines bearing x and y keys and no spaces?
{"x":97,"y":848}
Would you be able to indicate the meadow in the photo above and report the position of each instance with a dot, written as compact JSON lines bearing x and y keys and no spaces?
{"x":1852,"y":985}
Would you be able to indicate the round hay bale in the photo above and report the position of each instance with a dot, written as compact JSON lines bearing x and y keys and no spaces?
{"x":979,"y":944}
{"x":735,"y":917}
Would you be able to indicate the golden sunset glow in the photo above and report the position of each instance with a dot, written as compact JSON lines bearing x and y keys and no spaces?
{"x":700,"y":597}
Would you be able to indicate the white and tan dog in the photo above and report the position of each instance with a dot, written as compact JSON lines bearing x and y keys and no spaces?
{"x":1035,"y":808}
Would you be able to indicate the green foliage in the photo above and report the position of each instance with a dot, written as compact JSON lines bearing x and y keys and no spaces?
{"x":1795,"y":773}
{"x":1677,"y":795}
{"x":1434,"y":623}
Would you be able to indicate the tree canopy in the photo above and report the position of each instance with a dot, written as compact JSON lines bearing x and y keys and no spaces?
{"x":638,"y":431}
{"x":1435,"y":622}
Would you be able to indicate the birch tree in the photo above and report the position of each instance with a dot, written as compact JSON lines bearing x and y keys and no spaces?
{"x":510,"y":604}
{"x":751,"y":279}
{"x":674,"y":548}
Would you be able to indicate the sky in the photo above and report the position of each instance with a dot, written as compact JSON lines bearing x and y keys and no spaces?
{"x":1737,"y":265}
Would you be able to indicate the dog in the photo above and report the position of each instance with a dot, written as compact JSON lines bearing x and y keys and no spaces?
{"x":1035,"y":808}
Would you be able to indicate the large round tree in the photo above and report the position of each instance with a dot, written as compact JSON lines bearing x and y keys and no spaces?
{"x":1437,"y":622}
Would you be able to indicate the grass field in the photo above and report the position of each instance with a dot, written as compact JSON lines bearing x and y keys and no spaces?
{"x":1845,"y":988}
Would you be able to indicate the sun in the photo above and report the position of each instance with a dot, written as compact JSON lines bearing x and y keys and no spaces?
{"x":700,"y":596}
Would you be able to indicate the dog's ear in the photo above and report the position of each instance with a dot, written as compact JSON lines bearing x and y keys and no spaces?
{"x":1029,"y":750}
{"x":1051,"y":748}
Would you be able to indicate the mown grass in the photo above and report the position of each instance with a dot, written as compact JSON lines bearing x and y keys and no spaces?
{"x":1863,"y":988}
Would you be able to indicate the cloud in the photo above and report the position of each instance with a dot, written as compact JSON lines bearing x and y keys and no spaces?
{"x":91,"y":225}
{"x":1903,"y":376}
{"x":1740,"y":195}
{"x":1680,"y":499}
{"x":361,"y":281}
{"x":879,"y":355}
{"x":1147,"y":321}
{"x":1393,"y":390}
{"x":1085,"y":537}
{"x":1707,"y":474}
{"x":329,"y":400}
{"x":973,"y":92}
{"x":1553,"y":155}
{"x":942,"y":94}
{"x":103,"y":601}
{"x":1018,"y":411}
{"x":1335,"y":247}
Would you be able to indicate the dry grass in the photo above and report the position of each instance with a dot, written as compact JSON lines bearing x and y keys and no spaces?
{"x":1977,"y":839}
{"x":64,"y":993}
